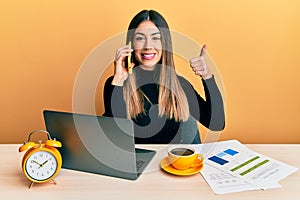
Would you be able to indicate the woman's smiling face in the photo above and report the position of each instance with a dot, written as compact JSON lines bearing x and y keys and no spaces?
{"x":147,"y":45}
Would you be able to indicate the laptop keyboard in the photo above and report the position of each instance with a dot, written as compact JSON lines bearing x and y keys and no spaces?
{"x":139,"y":164}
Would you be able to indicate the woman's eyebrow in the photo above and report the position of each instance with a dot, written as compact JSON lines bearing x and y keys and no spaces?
{"x":157,"y":33}
{"x":139,"y":33}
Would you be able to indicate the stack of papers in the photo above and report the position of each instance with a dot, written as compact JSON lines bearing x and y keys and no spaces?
{"x":232,"y":167}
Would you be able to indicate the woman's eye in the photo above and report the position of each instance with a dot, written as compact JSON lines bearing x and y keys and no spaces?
{"x":139,"y":38}
{"x":156,"y":38}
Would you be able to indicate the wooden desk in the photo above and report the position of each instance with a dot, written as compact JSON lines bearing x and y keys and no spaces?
{"x":154,"y":184}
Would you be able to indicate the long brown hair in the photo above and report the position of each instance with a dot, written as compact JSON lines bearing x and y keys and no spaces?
{"x":171,"y":99}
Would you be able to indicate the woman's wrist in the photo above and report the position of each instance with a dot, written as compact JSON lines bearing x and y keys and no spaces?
{"x":117,"y":81}
{"x":207,"y":76}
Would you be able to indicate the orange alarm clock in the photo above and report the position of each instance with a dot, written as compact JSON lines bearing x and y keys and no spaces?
{"x":41,"y":162}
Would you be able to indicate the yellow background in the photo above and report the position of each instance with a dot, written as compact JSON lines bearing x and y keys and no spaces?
{"x":254,"y":43}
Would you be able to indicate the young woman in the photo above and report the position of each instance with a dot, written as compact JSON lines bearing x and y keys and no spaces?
{"x":162,"y":104}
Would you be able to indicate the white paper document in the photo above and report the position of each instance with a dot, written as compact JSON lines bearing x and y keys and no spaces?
{"x":224,"y":183}
{"x":232,"y":167}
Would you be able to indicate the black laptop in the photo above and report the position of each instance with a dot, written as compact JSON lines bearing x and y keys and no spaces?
{"x":97,"y":144}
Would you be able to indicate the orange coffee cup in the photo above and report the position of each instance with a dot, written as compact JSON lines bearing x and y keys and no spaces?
{"x":183,"y":158}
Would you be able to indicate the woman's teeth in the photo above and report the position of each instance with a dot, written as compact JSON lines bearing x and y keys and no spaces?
{"x":148,"y":56}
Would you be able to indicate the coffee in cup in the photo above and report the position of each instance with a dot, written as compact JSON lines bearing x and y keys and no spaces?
{"x":183,"y":158}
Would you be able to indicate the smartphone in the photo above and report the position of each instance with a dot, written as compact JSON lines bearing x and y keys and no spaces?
{"x":128,"y":62}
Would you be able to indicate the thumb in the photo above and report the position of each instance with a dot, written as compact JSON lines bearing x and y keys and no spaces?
{"x":203,"y":50}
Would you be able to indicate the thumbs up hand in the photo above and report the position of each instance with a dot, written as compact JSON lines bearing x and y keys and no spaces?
{"x":198,"y":65}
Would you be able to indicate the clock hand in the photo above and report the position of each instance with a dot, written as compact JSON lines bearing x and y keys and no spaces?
{"x":36,"y":162}
{"x":43,"y":163}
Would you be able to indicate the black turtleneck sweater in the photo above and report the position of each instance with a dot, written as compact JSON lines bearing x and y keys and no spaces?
{"x":149,"y":128}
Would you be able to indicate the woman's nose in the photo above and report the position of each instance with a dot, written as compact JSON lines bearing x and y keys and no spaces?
{"x":148,"y":44}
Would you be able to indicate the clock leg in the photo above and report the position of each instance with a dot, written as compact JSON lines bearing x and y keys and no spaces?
{"x":31,"y":184}
{"x":54,"y":181}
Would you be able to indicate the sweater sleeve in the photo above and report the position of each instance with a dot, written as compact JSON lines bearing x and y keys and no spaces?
{"x":114,"y":105}
{"x":209,"y":112}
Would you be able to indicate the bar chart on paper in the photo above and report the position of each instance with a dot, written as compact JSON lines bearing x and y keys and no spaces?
{"x":236,"y":159}
{"x":249,"y":164}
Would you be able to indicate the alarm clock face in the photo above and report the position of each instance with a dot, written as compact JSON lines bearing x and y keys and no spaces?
{"x":41,"y":165}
